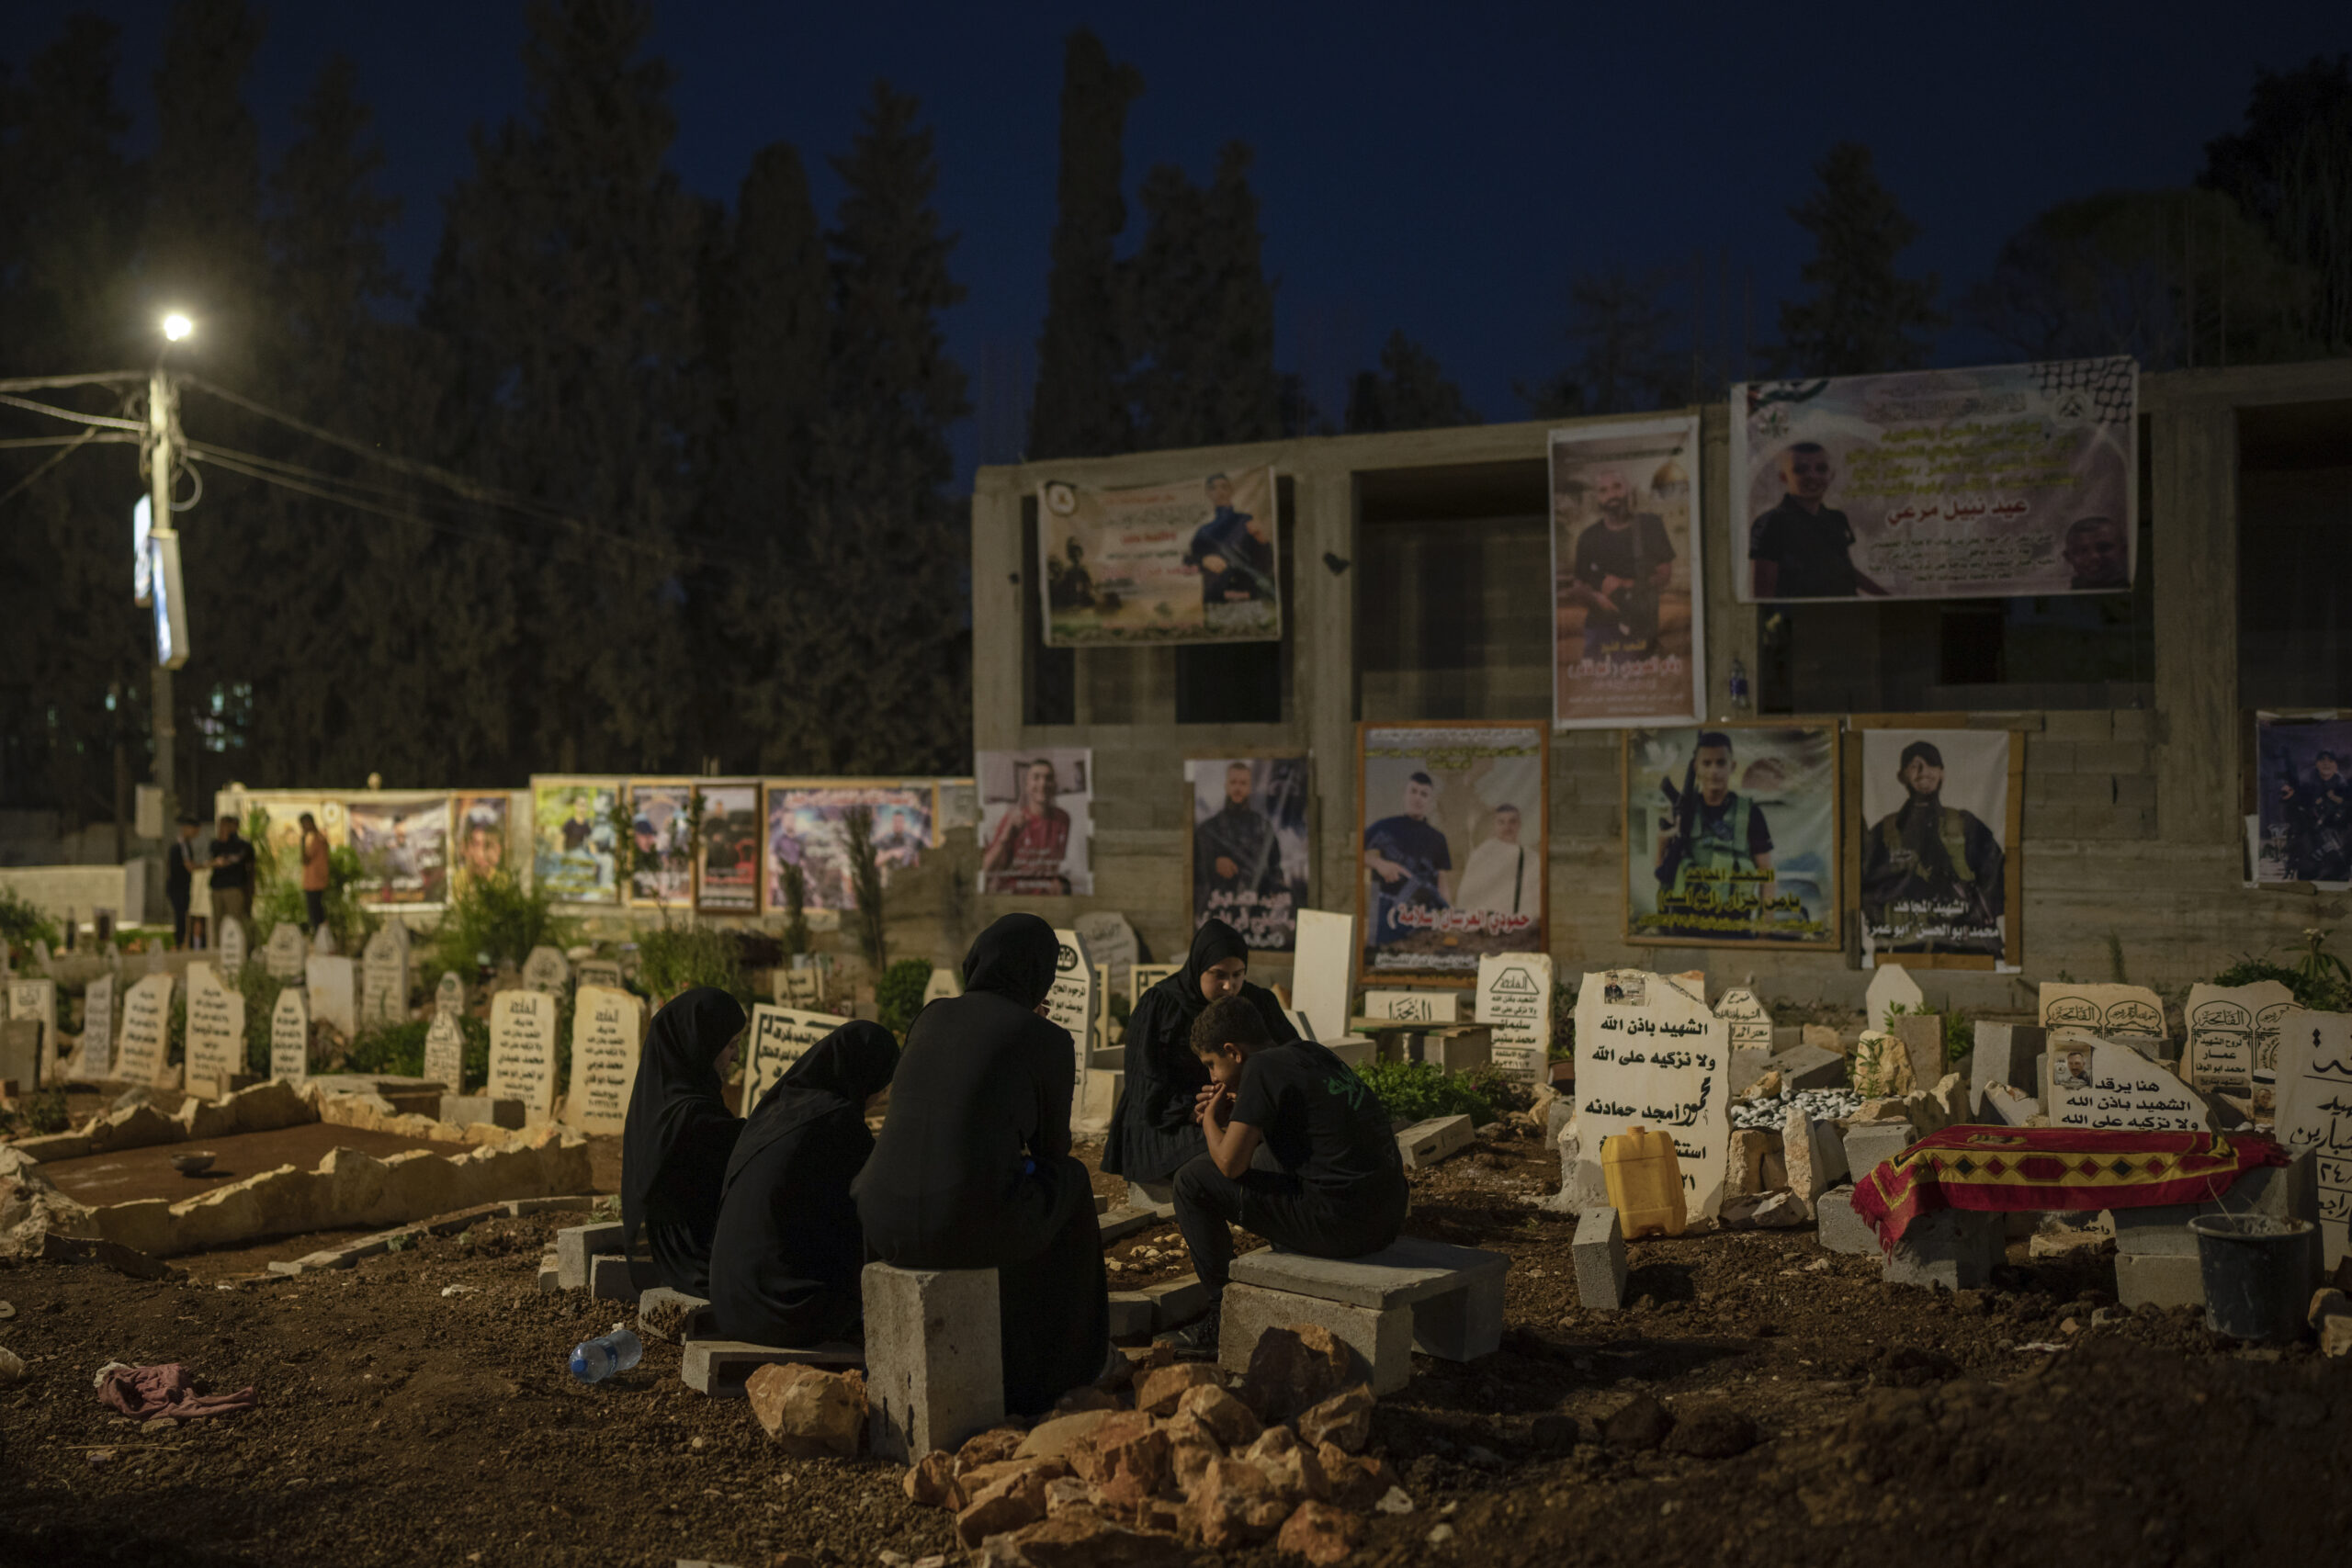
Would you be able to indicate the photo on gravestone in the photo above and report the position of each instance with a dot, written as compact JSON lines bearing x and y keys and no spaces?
{"x":1194,"y":560}
{"x":1990,"y":481}
{"x":1730,"y":836}
{"x":444,"y":1053}
{"x":2303,"y":799}
{"x":662,"y":856}
{"x":1453,"y":864}
{"x":479,"y":820}
{"x":607,"y":1031}
{"x":2108,"y":1088}
{"x":1071,"y":1003}
{"x":1648,"y":1053}
{"x":1036,"y":821}
{"x":726,"y":874}
{"x":2233,"y":1030}
{"x":402,"y":843}
{"x":522,"y":1050}
{"x":2315,"y":1113}
{"x":1627,"y":646}
{"x":1937,"y":872}
{"x":1246,"y":859}
{"x":807,"y":827}
{"x":1515,"y":1000}
{"x":777,"y":1038}
{"x":289,"y":1038}
{"x":572,"y":858}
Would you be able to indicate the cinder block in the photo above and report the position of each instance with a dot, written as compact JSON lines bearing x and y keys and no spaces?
{"x":1455,"y":1293}
{"x":2079,"y":724}
{"x":573,"y":1203}
{"x":1842,"y":1230}
{"x":1177,"y":1302}
{"x":2158,"y":1230}
{"x":608,"y":1279}
{"x":2110,"y":757}
{"x":1600,"y":1254}
{"x":1426,"y":1143}
{"x":673,"y":1316}
{"x":1122,"y":1222}
{"x":550,"y":1275}
{"x":1156,"y":1197}
{"x":1957,"y":1248}
{"x":2005,"y":1052}
{"x":1463,"y":1324}
{"x":2165,"y":1279}
{"x":2045,"y":755}
{"x":1459,"y":1048}
{"x":1921,"y":1036}
{"x":1869,"y":1145}
{"x":575,"y":1245}
{"x":1131,"y":1315}
{"x":466,"y":1109}
{"x":719,"y":1368}
{"x":1809,"y":1066}
{"x":935,"y":1370}
{"x":1384,"y":1338}
{"x":2133,"y":723}
{"x":1358,"y":1051}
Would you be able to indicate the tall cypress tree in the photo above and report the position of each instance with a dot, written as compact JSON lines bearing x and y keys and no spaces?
{"x":1199,"y":313}
{"x":1410,"y":391}
{"x":1861,"y":316}
{"x":770,"y":337}
{"x":1078,"y":410}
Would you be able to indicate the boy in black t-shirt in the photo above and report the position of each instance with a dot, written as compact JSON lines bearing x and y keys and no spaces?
{"x":1340,"y":1192}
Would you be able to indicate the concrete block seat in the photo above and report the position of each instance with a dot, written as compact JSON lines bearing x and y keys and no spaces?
{"x":934,"y":1363}
{"x":1440,"y":1299}
{"x":719,"y":1368}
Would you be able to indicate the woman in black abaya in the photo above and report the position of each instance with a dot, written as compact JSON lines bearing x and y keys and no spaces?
{"x":783,"y":1267}
{"x":675,"y":1144}
{"x":1152,"y":1131}
{"x":973,"y":1169}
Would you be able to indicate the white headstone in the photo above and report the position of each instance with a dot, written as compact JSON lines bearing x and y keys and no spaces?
{"x":1651,"y":1054}
{"x":216,"y":1033}
{"x":2107,"y":1012}
{"x":778,"y":1038}
{"x":1323,"y":975}
{"x":945,"y":984}
{"x":93,"y":1060}
{"x":385,"y":976}
{"x":605,"y":972}
{"x":290,"y":1037}
{"x":1110,"y":943}
{"x":35,"y":1001}
{"x":334,"y":992}
{"x":1891,"y":986}
{"x":802,"y":987}
{"x":1412,"y":1006}
{"x":1071,"y":1002}
{"x":444,"y":1052}
{"x":2233,"y":1032}
{"x":607,"y":1029}
{"x":1141,"y":977}
{"x":449,"y":996}
{"x":522,"y":1050}
{"x":283,"y":953}
{"x":1515,"y":1000}
{"x":1751,"y":1023}
{"x":547,"y":970}
{"x":2105,"y":1087}
{"x":233,"y":946}
{"x":40,"y":953}
{"x":2315,"y":1112}
{"x":323,"y":940}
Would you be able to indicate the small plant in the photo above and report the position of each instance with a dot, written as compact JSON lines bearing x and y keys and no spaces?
{"x":865,"y":886}
{"x":1415,"y":1091}
{"x":1504,"y":1094}
{"x":897,"y":996}
{"x":45,"y":1111}
{"x":495,"y":918}
{"x":2318,"y":978}
{"x":279,"y":898}
{"x":22,"y":924}
{"x":796,"y":908}
{"x":1563,"y":1047}
{"x":399,"y":1048}
{"x":674,"y":958}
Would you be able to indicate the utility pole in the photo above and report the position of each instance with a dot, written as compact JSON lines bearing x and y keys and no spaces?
{"x":163,"y":428}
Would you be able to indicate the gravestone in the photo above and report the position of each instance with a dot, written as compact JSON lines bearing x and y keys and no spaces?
{"x":1141,"y":977}
{"x":323,"y":940}
{"x":1515,"y":1000}
{"x":1750,"y":1022}
{"x":2104,"y":1012}
{"x":1111,"y":943}
{"x":945,"y":984}
{"x":605,"y":972}
{"x":35,"y":1001}
{"x":2315,"y":1113}
{"x":216,"y":1033}
{"x":385,"y":974}
{"x":450,"y":997}
{"x":801,"y":986}
{"x":22,"y":1046}
{"x":146,"y":1024}
{"x":334,"y":986}
{"x":1890,"y":987}
{"x":290,"y":1037}
{"x":607,"y":1029}
{"x":40,"y":953}
{"x":1324,"y":974}
{"x":1649,"y":1054}
{"x":1412,"y":1006}
{"x":547,"y":970}
{"x":444,"y":1052}
{"x":778,"y":1037}
{"x":284,"y":954}
{"x":1071,"y":1003}
{"x":2233,"y":1034}
{"x":2105,"y":1087}
{"x":94,"y":1059}
{"x":233,"y":947}
{"x":522,"y":1050}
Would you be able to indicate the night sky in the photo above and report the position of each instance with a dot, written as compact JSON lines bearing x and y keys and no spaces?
{"x":1440,"y":169}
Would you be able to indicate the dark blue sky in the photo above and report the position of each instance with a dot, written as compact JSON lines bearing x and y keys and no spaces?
{"x":1441,"y":169}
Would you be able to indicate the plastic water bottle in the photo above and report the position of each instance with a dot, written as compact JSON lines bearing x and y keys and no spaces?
{"x":594,"y":1361}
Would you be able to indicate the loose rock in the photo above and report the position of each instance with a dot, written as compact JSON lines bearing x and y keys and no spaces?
{"x":1320,"y":1533}
{"x":1711,"y":1430}
{"x":809,"y":1413}
{"x":1345,"y":1418}
{"x":1640,"y":1423}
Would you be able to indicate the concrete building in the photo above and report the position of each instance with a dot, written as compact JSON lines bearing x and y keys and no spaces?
{"x":1418,"y":586}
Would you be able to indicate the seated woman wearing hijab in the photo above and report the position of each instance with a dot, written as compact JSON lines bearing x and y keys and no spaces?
{"x":783,"y":1267}
{"x":675,"y":1144}
{"x":1153,"y":1131}
{"x":973,"y":1169}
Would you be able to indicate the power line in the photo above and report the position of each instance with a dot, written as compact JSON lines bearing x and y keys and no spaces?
{"x":73,"y":444}
{"x":91,"y":379}
{"x":108,"y":420}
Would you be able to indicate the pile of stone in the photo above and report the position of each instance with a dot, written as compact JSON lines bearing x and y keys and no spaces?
{"x":1768,"y":1112}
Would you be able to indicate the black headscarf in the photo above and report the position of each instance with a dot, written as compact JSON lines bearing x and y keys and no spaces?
{"x":1016,"y":958}
{"x":1214,"y":943}
{"x":851,"y":1066}
{"x":679,"y":1134}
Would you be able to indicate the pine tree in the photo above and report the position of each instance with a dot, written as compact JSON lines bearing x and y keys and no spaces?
{"x":1199,"y":313}
{"x":769,"y":337}
{"x":1410,"y":391}
{"x":1862,"y":317}
{"x":1078,"y":410}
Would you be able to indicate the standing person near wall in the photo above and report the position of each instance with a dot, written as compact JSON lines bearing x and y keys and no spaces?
{"x":315,"y":878}
{"x":233,"y":875}
{"x":179,"y":878}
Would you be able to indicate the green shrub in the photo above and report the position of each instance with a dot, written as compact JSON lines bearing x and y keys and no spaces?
{"x":277,"y":892}
{"x":1504,"y":1095}
{"x":2318,"y":979}
{"x":21,"y":924}
{"x":261,"y":993}
{"x":1415,"y":1091}
{"x":495,"y":918}
{"x":897,"y":996}
{"x":671,"y":958}
{"x":399,"y":1049}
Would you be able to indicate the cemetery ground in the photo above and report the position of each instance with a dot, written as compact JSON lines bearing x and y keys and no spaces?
{"x":1758,"y":1400}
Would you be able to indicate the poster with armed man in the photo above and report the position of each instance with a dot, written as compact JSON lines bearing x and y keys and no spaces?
{"x":1994,"y":482}
{"x":1197,"y":559}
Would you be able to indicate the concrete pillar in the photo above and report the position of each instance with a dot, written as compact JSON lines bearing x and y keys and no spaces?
{"x":2195,"y":542}
{"x":1323,"y":668}
{"x":1000,"y":577}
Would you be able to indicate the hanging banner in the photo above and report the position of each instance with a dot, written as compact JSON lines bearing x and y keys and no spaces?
{"x":1249,"y":854}
{"x":661,"y":858}
{"x":2304,"y":799}
{"x":480,"y":820}
{"x":1452,"y":863}
{"x":1626,"y":641}
{"x":1036,"y":821}
{"x":1939,"y":878}
{"x":807,"y":827}
{"x":1993,"y":482}
{"x":572,"y":859}
{"x":1731,"y":835}
{"x":1194,"y":560}
{"x":727,"y":875}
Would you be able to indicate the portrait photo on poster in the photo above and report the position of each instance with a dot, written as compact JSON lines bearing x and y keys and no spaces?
{"x":661,"y":858}
{"x":1451,"y":865}
{"x":2302,"y":799}
{"x":479,"y":820}
{"x":1194,"y":560}
{"x":1036,"y":821}
{"x":1937,"y":855}
{"x":1731,"y":835}
{"x":1248,"y":862}
{"x":572,"y":859}
{"x":1627,"y":644}
{"x":1994,"y":481}
{"x":727,"y":872}
{"x":808,"y":827}
{"x":402,"y":843}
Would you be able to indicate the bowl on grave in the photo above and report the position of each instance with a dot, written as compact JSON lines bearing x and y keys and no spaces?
{"x":193,"y":1164}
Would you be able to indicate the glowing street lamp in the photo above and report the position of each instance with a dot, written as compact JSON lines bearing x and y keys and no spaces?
{"x":177,"y":326}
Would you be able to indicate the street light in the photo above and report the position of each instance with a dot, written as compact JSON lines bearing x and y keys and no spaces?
{"x":177,"y":326}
